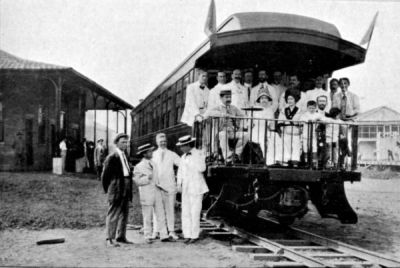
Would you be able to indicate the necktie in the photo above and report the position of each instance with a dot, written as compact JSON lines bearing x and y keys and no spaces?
{"x":202,"y":87}
{"x":343,"y":104}
{"x":162,"y":155}
{"x":248,"y":92}
{"x":151,"y":166}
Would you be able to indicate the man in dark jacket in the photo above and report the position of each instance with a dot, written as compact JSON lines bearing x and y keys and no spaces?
{"x":117,"y":183}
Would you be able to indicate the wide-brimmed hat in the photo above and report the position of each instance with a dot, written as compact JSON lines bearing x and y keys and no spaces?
{"x":144,"y":148}
{"x":185,"y":140}
{"x":119,"y":136}
{"x":263,"y":92}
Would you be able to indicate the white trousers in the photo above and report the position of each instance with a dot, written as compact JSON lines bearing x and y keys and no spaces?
{"x":191,"y":210}
{"x":166,"y":215}
{"x":147,"y":214}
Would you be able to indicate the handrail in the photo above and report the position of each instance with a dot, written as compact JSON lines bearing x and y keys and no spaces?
{"x":318,"y":144}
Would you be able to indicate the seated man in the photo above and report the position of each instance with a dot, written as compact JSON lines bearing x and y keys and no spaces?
{"x":230,"y":128}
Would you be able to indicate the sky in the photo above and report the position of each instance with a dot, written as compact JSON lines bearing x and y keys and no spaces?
{"x":130,"y":46}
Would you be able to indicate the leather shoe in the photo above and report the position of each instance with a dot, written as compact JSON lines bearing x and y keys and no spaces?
{"x":111,"y":243}
{"x":187,"y":240}
{"x":123,"y":240}
{"x":148,"y":241}
{"x":167,"y":239}
{"x":192,"y":241}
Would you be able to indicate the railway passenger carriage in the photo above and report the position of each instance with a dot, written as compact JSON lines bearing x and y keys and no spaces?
{"x":259,"y":40}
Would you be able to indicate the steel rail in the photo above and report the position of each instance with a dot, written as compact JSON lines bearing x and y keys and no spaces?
{"x":370,"y":256}
{"x":300,"y":255}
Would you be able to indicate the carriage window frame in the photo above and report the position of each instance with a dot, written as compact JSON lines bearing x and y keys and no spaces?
{"x":1,"y":119}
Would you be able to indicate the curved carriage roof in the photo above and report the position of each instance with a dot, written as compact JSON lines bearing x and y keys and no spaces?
{"x":253,"y":20}
{"x":288,"y":42}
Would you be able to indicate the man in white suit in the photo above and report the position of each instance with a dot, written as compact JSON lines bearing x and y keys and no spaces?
{"x":164,"y":161}
{"x":313,"y":94}
{"x":144,"y":176}
{"x":193,"y":186}
{"x":196,"y":99}
{"x":213,"y":97}
{"x":239,"y":93}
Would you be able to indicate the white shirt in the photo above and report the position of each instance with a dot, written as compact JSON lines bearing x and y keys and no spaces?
{"x":277,"y":90}
{"x":313,"y":94}
{"x":190,"y":173}
{"x":63,"y":146}
{"x":307,"y":116}
{"x":165,"y":160}
{"x":124,"y":162}
{"x":214,"y":99}
{"x":239,"y":94}
{"x":195,"y":103}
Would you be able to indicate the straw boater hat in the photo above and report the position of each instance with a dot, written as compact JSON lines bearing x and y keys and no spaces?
{"x":144,"y":148}
{"x":120,"y":136}
{"x":185,"y":140}
{"x":263,"y":92}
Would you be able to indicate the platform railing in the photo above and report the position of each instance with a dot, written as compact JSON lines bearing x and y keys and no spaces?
{"x":282,"y":143}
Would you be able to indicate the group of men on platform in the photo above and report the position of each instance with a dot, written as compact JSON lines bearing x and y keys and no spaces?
{"x":155,"y":177}
{"x":200,"y":98}
{"x":230,"y":99}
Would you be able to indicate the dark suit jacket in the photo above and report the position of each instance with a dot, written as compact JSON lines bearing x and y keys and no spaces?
{"x":113,"y":180}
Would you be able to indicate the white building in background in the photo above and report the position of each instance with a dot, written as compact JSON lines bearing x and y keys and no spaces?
{"x":379,"y":137}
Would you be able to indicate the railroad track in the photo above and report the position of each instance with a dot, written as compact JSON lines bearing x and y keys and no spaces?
{"x":292,"y":247}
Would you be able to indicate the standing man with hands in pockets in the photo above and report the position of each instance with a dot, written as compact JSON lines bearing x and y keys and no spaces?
{"x":165,"y":160}
{"x":192,"y":184}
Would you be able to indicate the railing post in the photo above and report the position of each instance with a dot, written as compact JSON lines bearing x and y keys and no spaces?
{"x":354,"y":146}
{"x":309,"y":145}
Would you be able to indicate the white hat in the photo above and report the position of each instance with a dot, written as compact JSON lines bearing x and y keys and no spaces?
{"x":144,"y":148}
{"x":185,"y":140}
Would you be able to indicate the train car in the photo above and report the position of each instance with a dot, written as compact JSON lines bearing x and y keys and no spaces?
{"x":258,"y":40}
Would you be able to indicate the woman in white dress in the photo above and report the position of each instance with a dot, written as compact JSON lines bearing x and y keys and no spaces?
{"x":290,"y":130}
{"x":263,"y":126}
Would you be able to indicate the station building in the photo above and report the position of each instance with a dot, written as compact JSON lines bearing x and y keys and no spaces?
{"x":42,"y":103}
{"x":379,"y":137}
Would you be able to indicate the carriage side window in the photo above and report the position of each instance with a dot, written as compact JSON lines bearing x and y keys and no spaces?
{"x":185,"y":84}
{"x":1,"y":120}
{"x":178,"y":101}
{"x":191,"y":76}
{"x":159,"y":112}
{"x":169,"y":108}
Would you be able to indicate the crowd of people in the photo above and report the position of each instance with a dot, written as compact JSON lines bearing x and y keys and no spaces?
{"x":90,"y":156}
{"x":155,"y":177}
{"x":287,"y":108}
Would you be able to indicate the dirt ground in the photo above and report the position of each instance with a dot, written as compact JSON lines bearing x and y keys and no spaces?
{"x":376,"y":202}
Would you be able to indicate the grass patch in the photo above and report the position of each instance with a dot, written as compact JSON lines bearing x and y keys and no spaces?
{"x":44,"y":200}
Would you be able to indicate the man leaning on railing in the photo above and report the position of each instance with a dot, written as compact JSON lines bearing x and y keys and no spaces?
{"x":230,"y":127}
